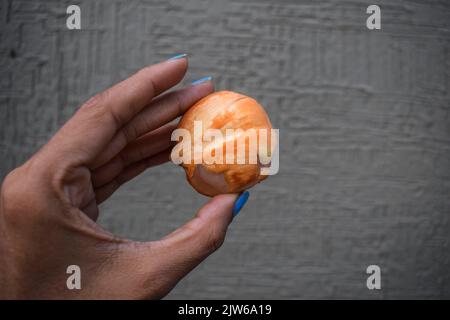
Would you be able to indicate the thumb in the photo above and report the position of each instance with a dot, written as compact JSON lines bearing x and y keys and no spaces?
{"x":168,"y":260}
{"x":190,"y":244}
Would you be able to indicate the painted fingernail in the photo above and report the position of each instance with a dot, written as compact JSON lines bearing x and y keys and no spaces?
{"x":178,"y":56}
{"x":240,"y":202}
{"x":201,"y":80}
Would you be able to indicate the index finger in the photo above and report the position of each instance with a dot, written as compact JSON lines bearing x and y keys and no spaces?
{"x":95,"y":123}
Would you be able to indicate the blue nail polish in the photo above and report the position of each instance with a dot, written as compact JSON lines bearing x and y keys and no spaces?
{"x":201,"y":80}
{"x":178,"y":56}
{"x":240,"y":202}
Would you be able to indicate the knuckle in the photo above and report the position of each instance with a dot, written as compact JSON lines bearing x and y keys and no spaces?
{"x":116,"y":118}
{"x":124,"y":160}
{"x":93,"y":110}
{"x":130,"y":132}
{"x":97,"y":108}
{"x":19,"y":197}
{"x":209,"y":235}
{"x":8,"y":183}
{"x":215,"y":240}
{"x":149,"y":123}
{"x":147,"y":74}
{"x":12,"y":192}
{"x":178,"y":103}
{"x":97,"y":100}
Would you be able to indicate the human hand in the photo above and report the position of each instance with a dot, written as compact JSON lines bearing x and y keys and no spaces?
{"x":49,"y":205}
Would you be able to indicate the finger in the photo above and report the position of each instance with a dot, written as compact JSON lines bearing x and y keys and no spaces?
{"x":144,"y":147}
{"x":91,"y":210}
{"x":182,"y":250}
{"x":161,"y":111}
{"x":104,"y":192}
{"x":87,"y":133}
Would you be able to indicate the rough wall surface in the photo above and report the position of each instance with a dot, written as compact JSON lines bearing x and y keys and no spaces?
{"x":364,"y":118}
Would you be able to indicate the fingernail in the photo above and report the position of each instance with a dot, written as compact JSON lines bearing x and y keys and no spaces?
{"x":201,"y":80}
{"x":240,"y":202}
{"x":178,"y":56}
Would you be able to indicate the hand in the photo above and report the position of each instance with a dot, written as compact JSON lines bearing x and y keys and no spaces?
{"x":49,"y":205}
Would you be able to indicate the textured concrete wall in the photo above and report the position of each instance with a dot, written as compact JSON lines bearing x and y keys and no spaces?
{"x":364,"y":119}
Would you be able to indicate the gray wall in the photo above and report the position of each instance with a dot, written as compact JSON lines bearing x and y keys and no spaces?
{"x":363,"y":115}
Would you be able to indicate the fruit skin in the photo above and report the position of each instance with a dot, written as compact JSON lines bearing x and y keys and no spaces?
{"x":225,"y":110}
